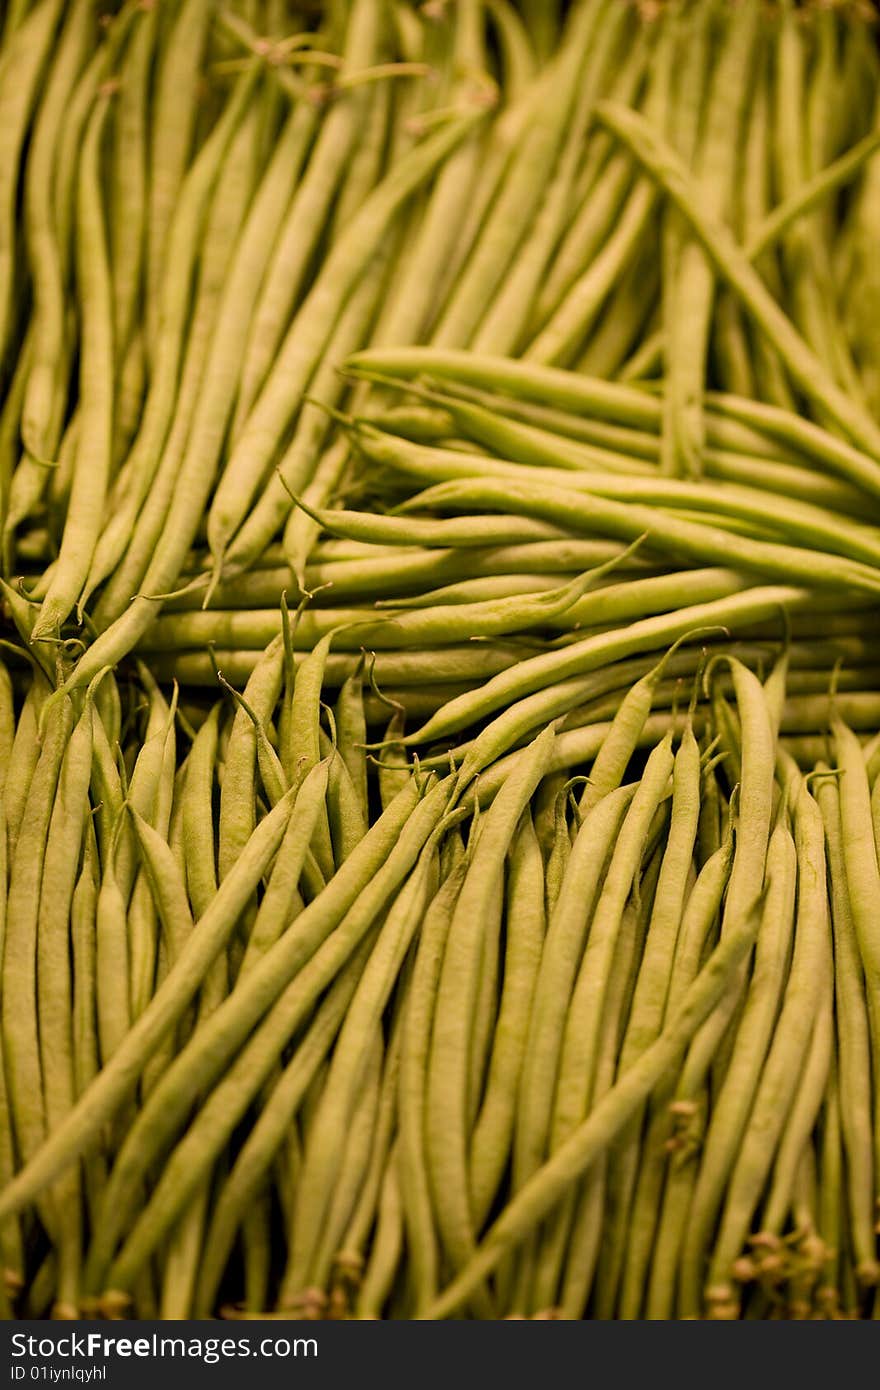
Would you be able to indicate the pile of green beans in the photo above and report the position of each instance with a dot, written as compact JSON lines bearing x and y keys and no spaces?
{"x":439,"y":688}
{"x":291,"y":1027}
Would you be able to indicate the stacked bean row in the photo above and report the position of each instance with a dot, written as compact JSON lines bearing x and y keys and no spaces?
{"x":439,"y":753}
{"x":309,"y":1032}
{"x":201,"y":251}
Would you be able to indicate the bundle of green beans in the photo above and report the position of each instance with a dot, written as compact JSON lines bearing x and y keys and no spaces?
{"x":440,"y":726}
{"x":291,"y":1027}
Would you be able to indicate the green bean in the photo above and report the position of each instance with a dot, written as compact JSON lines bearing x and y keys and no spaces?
{"x":583,"y":655}
{"x":414,"y":297}
{"x":307,"y":212}
{"x":108,"y":705}
{"x":219,"y":1036}
{"x":860,"y":859}
{"x":715,"y":165}
{"x":650,"y":994}
{"x":871,"y":754}
{"x":144,"y":781}
{"x":810,"y":964}
{"x":756,"y":197}
{"x":672,"y":531}
{"x":594,"y":1134}
{"x":10,"y":421}
{"x":324,"y":1149}
{"x":94,"y":444}
{"x":272,"y":774}
{"x":517,"y":54}
{"x":697,"y":922}
{"x":366,"y":165}
{"x":582,"y":1035}
{"x":23,"y":756}
{"x":493,"y":1131}
{"x":351,"y":734}
{"x":451,"y":531}
{"x":523,"y":185}
{"x":802,"y":257}
{"x":84,"y":96}
{"x":485,"y":1003}
{"x":256,"y":1237}
{"x":21,"y":66}
{"x":577,"y":314}
{"x":358,"y":1145}
{"x":755,"y":792}
{"x":113,"y":966}
{"x":801,"y":1119}
{"x":131,"y":391}
{"x":626,"y":318}
{"x":83,"y":913}
{"x":625,"y":405}
{"x":811,"y":191}
{"x":387,"y":1243}
{"x":171,"y":139}
{"x":142,"y":933}
{"x":225,"y":211}
{"x":268,"y":1131}
{"x":237,"y":816}
{"x":430,"y":424}
{"x":40,"y":418}
{"x":116,"y":1080}
{"x":573,"y":1272}
{"x":506,"y":317}
{"x":184,"y":1248}
{"x":12,"y":1254}
{"x":197,"y":810}
{"x":298,"y":355}
{"x":830,"y":1206}
{"x":454,"y":1019}
{"x":305,"y":749}
{"x":853,"y":1034}
{"x":804,"y":367}
{"x":348,"y":1255}
{"x":494,"y":617}
{"x":400,"y":569}
{"x":129,"y":195}
{"x":830,"y":452}
{"x":478,"y":590}
{"x":167,"y":887}
{"x":7,"y":725}
{"x":418,"y":1021}
{"x":392,"y":773}
{"x":559,"y":855}
{"x":39,"y":1293}
{"x":733,"y":1104}
{"x":20,"y":1027}
{"x":598,"y":200}
{"x":448,"y":665}
{"x":16,"y":12}
{"x":64,"y":837}
{"x":526,"y":444}
{"x":298,"y":462}
{"x":144,"y":482}
{"x":278,"y":906}
{"x":346,"y":814}
{"x":308,"y":335}
{"x":106,"y":788}
{"x":301,"y":531}
{"x":580,"y":1039}
{"x":512,"y":440}
{"x":60,"y":484}
{"x":552,"y":454}
{"x":731,"y":347}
